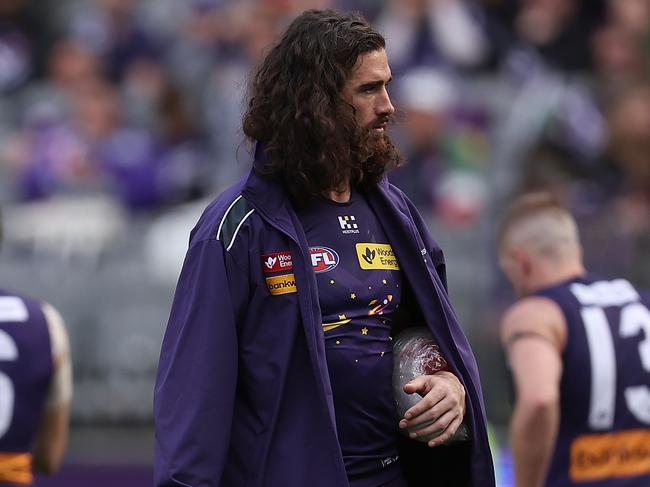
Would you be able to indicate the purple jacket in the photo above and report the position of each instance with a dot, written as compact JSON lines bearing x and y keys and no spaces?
{"x":242,"y":395}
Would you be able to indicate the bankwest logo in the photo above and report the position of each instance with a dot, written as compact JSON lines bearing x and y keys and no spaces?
{"x":278,"y":261}
{"x":347,"y":224}
{"x":284,"y":284}
{"x":323,"y":259}
{"x":376,"y":256}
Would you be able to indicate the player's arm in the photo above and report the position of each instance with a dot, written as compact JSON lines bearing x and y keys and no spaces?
{"x":533,"y":333}
{"x":194,"y":417}
{"x":52,"y":436}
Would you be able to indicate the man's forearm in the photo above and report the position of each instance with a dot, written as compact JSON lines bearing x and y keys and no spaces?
{"x":532,"y":436}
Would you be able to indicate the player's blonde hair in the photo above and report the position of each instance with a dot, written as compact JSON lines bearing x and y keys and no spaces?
{"x":539,"y":223}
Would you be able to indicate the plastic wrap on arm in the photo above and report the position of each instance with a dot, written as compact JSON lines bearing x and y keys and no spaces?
{"x":416,"y":353}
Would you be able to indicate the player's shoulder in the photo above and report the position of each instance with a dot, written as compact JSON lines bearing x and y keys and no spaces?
{"x":531,"y":309}
{"x":224,"y":217}
{"x":401,"y":202}
{"x":26,"y":310}
{"x":534,"y":314}
{"x":395,"y":194}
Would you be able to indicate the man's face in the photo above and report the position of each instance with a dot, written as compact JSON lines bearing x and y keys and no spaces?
{"x":508,"y":267}
{"x":366,"y":91}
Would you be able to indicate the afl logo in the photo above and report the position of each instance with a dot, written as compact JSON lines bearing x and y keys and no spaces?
{"x":323,"y":259}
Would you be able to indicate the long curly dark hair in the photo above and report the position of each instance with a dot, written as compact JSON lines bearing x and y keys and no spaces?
{"x":310,"y":135}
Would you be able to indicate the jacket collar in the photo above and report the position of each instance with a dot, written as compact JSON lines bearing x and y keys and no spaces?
{"x":269,"y":197}
{"x":267,"y":194}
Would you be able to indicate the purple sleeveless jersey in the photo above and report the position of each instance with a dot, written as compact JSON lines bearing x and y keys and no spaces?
{"x":604,"y":434}
{"x":25,"y":371}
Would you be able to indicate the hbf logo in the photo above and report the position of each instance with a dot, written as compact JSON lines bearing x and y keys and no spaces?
{"x":323,"y":259}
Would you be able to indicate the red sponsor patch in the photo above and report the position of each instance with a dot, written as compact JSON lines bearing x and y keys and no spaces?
{"x":277,"y":261}
{"x":323,"y":259}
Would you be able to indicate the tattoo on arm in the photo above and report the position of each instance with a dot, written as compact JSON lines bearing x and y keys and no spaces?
{"x":518,"y":335}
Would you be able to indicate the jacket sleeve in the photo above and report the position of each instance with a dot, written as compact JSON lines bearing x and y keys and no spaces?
{"x":197,"y":373}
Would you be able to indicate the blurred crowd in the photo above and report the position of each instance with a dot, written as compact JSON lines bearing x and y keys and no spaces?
{"x":119,"y":119}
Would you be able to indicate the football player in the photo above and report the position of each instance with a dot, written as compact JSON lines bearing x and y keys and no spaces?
{"x":35,"y":388}
{"x":579,"y":350}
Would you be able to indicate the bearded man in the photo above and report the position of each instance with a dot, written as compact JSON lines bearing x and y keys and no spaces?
{"x":277,"y":361}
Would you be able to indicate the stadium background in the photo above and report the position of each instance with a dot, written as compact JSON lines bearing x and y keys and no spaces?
{"x":119,"y":121}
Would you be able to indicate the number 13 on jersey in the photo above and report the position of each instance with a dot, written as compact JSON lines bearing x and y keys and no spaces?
{"x":612,"y":313}
{"x":634,"y":320}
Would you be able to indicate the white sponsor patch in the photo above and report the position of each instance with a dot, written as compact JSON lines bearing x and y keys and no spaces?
{"x":348,"y":225}
{"x":12,"y":308}
{"x":605,"y":293}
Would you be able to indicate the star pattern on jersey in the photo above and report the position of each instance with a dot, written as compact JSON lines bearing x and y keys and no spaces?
{"x":356,"y":303}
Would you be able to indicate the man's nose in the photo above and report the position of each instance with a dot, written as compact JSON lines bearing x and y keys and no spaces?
{"x":384,"y":106}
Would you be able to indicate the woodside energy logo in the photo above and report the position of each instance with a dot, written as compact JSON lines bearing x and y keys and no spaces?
{"x":277,"y":261}
{"x":376,"y":256}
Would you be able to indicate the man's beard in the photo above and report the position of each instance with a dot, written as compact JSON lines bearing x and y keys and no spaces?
{"x":377,"y":141}
{"x":382,"y":155}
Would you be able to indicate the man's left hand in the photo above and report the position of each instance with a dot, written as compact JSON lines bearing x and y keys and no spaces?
{"x":441,"y":409}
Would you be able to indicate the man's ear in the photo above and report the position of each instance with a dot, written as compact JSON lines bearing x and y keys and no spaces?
{"x":522,"y":260}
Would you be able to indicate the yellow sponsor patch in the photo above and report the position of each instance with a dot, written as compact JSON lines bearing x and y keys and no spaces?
{"x":376,"y":256}
{"x":284,"y":284}
{"x":16,"y":468}
{"x":601,"y":456}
